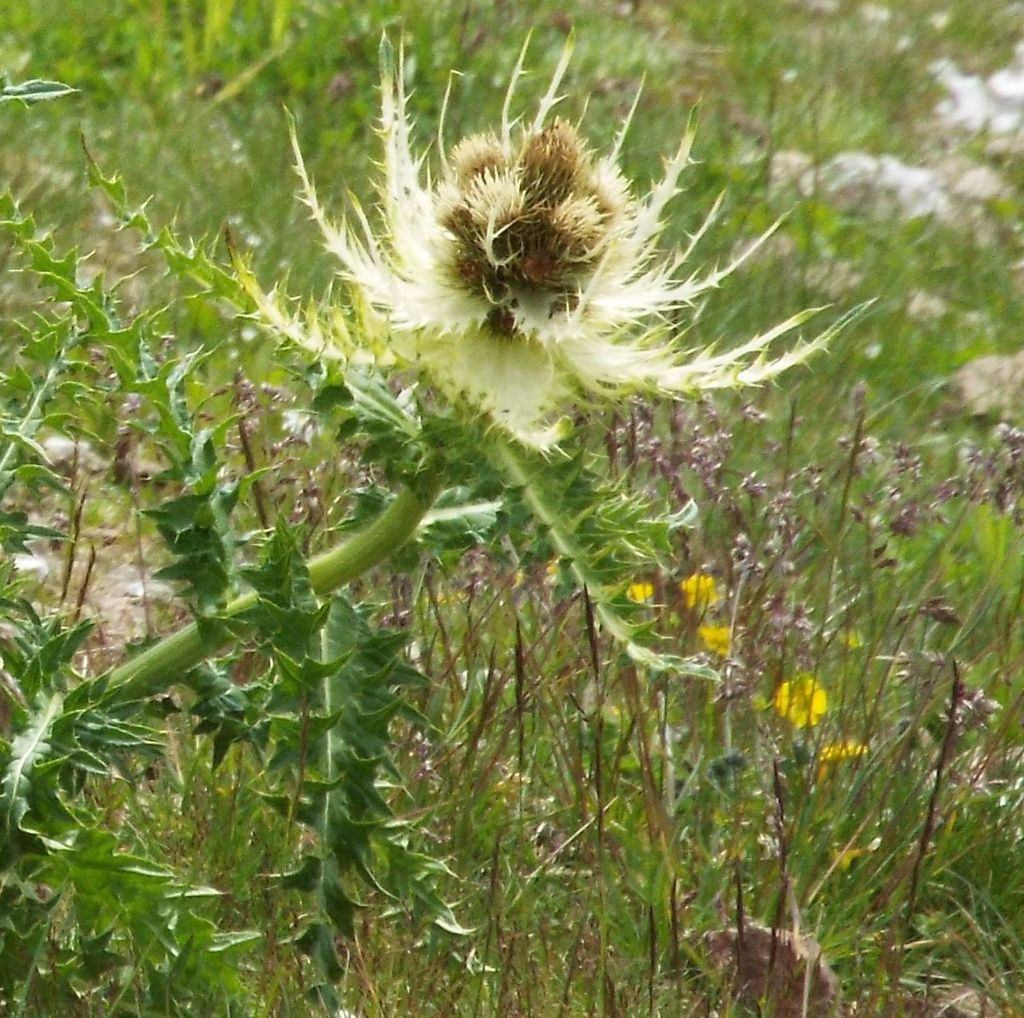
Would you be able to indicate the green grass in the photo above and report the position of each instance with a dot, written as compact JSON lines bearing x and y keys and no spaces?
{"x":598,"y":822}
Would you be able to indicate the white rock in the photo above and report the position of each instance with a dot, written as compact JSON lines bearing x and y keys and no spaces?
{"x":993,"y":384}
{"x":32,"y":562}
{"x":995,"y":103}
{"x":1007,"y":85}
{"x":924,"y":306}
{"x":885,"y":185}
{"x":875,"y":14}
{"x":792,"y":169}
{"x":63,"y":451}
{"x":954,"y":190}
{"x":971,"y":182}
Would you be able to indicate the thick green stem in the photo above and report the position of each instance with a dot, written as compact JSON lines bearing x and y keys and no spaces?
{"x":162,"y":665}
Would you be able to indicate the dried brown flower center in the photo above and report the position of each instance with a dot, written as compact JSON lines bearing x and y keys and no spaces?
{"x":527,"y":225}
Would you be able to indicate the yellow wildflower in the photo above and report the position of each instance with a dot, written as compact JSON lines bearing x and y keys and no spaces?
{"x":715,"y":639}
{"x":852,"y":639}
{"x":700,"y":591}
{"x":801,"y":700}
{"x":846,"y":749}
{"x":640,"y":592}
{"x":835,"y":752}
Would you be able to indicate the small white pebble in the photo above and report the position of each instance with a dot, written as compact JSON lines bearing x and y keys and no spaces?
{"x":875,"y":14}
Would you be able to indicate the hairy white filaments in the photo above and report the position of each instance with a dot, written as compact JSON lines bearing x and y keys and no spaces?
{"x":528,"y":275}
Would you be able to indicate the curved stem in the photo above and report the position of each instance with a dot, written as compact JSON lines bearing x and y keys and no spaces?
{"x":160,"y":666}
{"x":542,"y":500}
{"x":560,"y":532}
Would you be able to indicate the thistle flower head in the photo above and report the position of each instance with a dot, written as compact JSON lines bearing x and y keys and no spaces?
{"x":526,"y":274}
{"x":526,"y":227}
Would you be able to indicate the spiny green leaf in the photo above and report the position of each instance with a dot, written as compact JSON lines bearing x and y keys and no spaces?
{"x":602,"y":534}
{"x":184,"y":260}
{"x":28,"y":748}
{"x":34,"y":90}
{"x":229,"y":943}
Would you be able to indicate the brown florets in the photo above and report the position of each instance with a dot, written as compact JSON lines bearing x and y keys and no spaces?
{"x":476,"y":155}
{"x":530,"y":222}
{"x":553,"y":162}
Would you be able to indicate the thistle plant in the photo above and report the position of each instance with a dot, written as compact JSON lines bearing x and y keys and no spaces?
{"x":527,"y":275}
{"x":478,"y":306}
{"x":526,"y":278}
